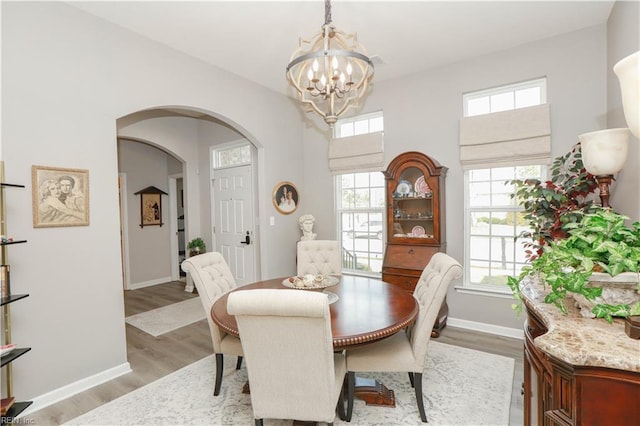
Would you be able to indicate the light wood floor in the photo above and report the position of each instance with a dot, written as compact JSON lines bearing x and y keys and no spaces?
{"x":150,"y":359}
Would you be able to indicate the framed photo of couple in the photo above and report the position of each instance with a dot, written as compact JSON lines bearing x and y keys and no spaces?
{"x":60,"y":196}
{"x":285,"y":197}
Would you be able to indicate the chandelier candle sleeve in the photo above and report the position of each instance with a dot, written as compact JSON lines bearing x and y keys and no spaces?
{"x":330,"y":72}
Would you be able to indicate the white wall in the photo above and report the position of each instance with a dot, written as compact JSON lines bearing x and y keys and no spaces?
{"x":66,"y":78}
{"x":422,"y":112}
{"x":623,"y":39}
{"x":149,"y":249}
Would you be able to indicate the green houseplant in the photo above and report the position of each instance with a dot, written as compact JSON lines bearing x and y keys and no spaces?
{"x":196,"y":246}
{"x":551,"y":205}
{"x":598,"y":242}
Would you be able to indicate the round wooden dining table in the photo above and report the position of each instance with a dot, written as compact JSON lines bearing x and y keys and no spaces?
{"x":367,"y":309}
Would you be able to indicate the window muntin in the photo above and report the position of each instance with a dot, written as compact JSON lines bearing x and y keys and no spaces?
{"x":505,"y":98}
{"x":493,"y":220}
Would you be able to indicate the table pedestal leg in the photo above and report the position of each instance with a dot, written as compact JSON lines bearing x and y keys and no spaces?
{"x":373,"y":392}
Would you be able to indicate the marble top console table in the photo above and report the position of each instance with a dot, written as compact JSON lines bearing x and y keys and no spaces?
{"x":577,"y":371}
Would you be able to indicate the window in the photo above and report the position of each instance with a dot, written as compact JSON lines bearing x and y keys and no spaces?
{"x":506,"y":151}
{"x":360,"y":207}
{"x":360,"y":198}
{"x":493,"y":220}
{"x":504,"y":98}
{"x":234,"y":155}
{"x":367,"y":123}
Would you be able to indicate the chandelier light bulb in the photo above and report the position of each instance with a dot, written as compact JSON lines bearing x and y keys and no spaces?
{"x":323,"y":80}
{"x":349,"y":69}
{"x":315,"y":65}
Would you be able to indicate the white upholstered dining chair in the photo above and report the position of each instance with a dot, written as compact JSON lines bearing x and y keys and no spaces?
{"x":287,"y":342}
{"x":213,"y":278}
{"x":319,"y":257}
{"x":407,"y":351}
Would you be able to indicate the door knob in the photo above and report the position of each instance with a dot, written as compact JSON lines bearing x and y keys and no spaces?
{"x":247,"y":239}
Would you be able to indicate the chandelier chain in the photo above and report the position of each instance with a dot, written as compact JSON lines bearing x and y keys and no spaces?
{"x":327,"y":12}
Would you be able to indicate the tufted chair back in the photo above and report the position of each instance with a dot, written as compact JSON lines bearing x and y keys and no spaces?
{"x":408,"y":351}
{"x":319,"y":257}
{"x":430,"y":292}
{"x":212,"y":277}
{"x":287,"y":340}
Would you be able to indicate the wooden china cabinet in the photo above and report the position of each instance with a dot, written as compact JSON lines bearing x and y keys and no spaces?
{"x":415,"y":221}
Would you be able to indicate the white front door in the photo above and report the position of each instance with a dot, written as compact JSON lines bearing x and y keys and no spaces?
{"x":234,"y":223}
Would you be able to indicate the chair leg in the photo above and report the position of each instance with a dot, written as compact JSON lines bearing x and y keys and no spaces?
{"x":411,"y":379}
{"x":419,"y":400}
{"x":258,"y":422}
{"x":239,"y":363}
{"x":343,"y":395}
{"x":351,"y":383}
{"x":219,"y":367}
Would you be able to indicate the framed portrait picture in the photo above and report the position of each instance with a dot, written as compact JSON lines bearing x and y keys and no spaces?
{"x":60,"y":196}
{"x":285,"y":197}
{"x":150,"y":206}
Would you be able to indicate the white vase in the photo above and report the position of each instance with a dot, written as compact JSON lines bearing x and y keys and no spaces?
{"x":618,"y":290}
{"x":628,"y":72}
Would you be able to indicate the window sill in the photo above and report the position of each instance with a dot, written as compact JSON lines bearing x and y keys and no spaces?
{"x":485,"y":291}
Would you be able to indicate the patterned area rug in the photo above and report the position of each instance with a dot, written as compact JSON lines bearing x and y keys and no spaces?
{"x":461,"y":386}
{"x":168,"y":318}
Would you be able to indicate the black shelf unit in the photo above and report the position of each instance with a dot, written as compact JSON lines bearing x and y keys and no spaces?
{"x":16,"y":353}
{"x":5,"y":361}
{"x":12,"y":298}
{"x":14,"y":411}
{"x":8,"y":243}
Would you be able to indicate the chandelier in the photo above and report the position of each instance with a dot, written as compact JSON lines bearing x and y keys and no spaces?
{"x":331,"y":71}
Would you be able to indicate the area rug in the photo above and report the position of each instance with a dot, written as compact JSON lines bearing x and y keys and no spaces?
{"x":168,"y":318}
{"x":461,"y":386}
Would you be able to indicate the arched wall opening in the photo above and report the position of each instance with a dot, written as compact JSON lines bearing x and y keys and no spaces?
{"x":154,"y":145}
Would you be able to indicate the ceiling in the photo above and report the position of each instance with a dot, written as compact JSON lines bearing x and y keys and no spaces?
{"x":254,"y":39}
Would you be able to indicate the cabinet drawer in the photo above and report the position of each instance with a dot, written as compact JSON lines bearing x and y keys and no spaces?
{"x":406,"y":282}
{"x":408,"y":257}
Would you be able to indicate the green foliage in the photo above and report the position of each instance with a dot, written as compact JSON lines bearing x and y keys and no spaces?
{"x":599,"y":242}
{"x":553,"y":205}
{"x":197,"y":243}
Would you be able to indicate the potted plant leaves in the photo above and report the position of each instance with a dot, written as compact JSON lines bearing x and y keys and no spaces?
{"x":599,"y":247}
{"x":196,"y":247}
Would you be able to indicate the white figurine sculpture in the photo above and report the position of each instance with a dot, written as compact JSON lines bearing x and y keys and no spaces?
{"x":306,"y":222}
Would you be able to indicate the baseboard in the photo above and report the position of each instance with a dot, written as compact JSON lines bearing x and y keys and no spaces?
{"x":515,"y":333}
{"x":71,"y":389}
{"x":136,"y":286}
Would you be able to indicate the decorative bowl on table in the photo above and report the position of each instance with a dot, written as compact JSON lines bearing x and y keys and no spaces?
{"x":310,"y":282}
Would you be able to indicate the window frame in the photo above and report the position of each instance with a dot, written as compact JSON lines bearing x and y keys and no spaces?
{"x":337,"y":187}
{"x":499,"y":90}
{"x":360,"y":210}
{"x":499,"y":290}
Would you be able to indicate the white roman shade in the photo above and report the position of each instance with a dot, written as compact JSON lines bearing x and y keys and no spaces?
{"x":516,"y":137}
{"x":361,"y":153}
